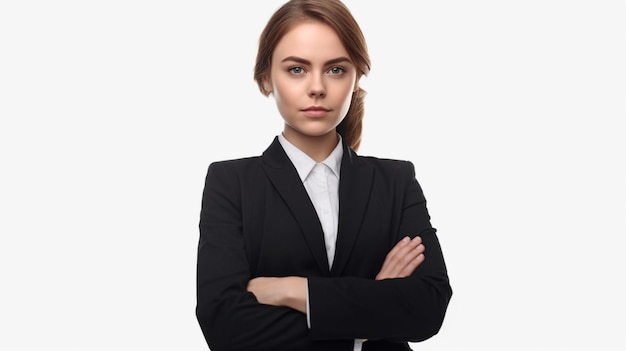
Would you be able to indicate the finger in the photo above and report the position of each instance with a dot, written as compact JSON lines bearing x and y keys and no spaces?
{"x":411,"y":266}
{"x":409,"y":246}
{"x":403,"y":246}
{"x":404,"y":264}
{"x":394,"y":251}
{"x":399,"y":257}
{"x":406,"y":257}
{"x":417,"y":240}
{"x":406,"y":250}
{"x":399,"y":246}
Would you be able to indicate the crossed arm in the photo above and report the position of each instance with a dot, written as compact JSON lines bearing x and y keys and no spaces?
{"x":236,"y":312}
{"x":291,"y":292}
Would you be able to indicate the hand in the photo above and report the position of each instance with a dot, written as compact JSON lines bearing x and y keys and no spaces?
{"x":403,"y":259}
{"x":284,"y":291}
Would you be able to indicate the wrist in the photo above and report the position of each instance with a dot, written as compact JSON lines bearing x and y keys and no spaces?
{"x":295,"y":293}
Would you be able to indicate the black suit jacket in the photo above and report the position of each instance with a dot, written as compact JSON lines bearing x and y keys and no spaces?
{"x":257,"y":220}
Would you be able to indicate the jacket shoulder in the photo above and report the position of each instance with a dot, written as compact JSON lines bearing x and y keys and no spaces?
{"x":233,"y":170}
{"x":233,"y":164}
{"x":388,"y":164}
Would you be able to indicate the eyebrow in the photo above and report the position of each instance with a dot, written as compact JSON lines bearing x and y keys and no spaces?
{"x":307,"y":62}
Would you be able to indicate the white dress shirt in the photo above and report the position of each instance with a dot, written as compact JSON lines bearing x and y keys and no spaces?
{"x":321,"y":181}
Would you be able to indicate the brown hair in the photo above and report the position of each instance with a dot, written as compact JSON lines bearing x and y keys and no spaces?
{"x":337,"y":16}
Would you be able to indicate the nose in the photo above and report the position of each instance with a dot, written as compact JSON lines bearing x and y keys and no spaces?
{"x":317,"y":89}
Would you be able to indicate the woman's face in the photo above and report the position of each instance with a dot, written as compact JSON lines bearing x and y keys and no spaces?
{"x":312,"y":79}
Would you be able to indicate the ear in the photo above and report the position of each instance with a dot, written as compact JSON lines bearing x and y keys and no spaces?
{"x":267,"y":85}
{"x":356,"y":85}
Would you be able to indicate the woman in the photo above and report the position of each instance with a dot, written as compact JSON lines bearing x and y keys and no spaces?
{"x":311,"y":246}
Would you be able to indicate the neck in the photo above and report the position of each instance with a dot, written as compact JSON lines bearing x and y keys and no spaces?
{"x":316,"y":147}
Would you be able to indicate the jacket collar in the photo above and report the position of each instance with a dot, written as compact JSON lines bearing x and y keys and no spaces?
{"x":354,"y":190}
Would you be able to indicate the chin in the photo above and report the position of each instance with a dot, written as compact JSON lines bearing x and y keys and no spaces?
{"x":317,"y":133}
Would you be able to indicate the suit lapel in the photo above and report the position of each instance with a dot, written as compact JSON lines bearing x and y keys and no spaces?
{"x":285,"y":179}
{"x":354,"y":191}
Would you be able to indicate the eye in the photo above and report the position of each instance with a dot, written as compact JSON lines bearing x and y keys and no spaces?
{"x":337,"y":70}
{"x":296,"y":70}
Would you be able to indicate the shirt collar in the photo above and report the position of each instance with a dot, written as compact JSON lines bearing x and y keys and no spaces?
{"x":304,"y":164}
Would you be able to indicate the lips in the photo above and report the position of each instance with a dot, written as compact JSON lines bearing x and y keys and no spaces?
{"x":316,"y":111}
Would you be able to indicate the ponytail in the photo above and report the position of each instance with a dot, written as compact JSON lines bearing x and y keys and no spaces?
{"x":352,"y":125}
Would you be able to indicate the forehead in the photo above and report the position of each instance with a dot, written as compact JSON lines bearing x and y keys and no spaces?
{"x":312,"y":41}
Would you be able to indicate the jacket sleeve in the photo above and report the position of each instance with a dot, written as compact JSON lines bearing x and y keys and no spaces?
{"x":229,"y":316}
{"x":407,"y":309}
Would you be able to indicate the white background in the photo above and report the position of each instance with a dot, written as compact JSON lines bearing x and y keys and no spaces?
{"x":111,"y":111}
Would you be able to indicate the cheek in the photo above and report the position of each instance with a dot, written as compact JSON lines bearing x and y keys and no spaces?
{"x":345,"y":88}
{"x":284,"y":94}
{"x":278,"y":96}
{"x":346,"y":92}
{"x":282,"y":98}
{"x":345,"y":106}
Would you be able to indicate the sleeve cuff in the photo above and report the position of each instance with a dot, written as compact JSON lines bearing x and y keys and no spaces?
{"x":308,"y":311}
